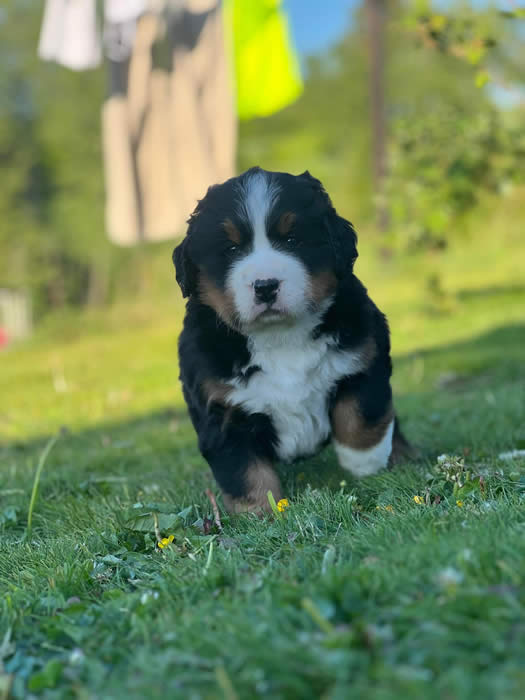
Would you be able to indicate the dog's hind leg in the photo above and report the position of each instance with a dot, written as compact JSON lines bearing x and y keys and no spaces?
{"x":363,"y":424}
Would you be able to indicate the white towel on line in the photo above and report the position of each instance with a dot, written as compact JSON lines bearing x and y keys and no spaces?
{"x":70,"y":34}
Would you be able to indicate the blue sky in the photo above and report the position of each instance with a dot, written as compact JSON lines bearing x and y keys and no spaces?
{"x":318,"y":23}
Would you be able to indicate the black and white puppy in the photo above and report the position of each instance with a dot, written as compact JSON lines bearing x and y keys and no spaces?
{"x":281,"y":347}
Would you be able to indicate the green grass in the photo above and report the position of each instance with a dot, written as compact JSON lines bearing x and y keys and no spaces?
{"x":342,"y":597}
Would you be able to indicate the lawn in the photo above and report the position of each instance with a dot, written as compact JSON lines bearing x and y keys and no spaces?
{"x":410,"y":584}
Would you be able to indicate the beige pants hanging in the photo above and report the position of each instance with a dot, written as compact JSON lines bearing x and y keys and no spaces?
{"x":169,"y":127}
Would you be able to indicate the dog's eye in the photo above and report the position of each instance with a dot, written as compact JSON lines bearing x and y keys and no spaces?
{"x":291,"y":241}
{"x":233,"y":248}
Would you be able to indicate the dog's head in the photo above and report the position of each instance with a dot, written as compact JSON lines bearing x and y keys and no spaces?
{"x":265,"y":248}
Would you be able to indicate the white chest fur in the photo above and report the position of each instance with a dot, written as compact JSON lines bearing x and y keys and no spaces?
{"x":297,"y":374}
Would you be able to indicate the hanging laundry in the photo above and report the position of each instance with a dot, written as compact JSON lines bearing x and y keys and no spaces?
{"x":169,"y":127}
{"x":266,"y":66}
{"x":70,"y":35}
{"x":169,"y":123}
{"x":120,"y":26}
{"x":118,"y":11}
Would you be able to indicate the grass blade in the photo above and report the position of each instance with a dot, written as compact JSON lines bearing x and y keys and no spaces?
{"x":36,"y":481}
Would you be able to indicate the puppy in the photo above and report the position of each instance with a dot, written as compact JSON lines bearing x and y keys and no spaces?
{"x":282,"y":348}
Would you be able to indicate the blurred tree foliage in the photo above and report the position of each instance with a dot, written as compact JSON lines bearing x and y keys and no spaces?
{"x":448,"y":143}
{"x":443,"y":163}
{"x":445,"y":158}
{"x":51,"y":196}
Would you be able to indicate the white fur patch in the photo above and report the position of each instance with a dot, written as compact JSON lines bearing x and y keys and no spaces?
{"x":256,"y":200}
{"x":366,"y":462}
{"x":297,"y":374}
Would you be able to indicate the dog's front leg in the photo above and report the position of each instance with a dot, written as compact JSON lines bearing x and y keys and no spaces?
{"x":240,"y":456}
{"x":250,"y":493}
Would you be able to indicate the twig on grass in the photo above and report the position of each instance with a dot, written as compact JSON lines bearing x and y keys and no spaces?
{"x":215,"y":507}
{"x":156,"y":527}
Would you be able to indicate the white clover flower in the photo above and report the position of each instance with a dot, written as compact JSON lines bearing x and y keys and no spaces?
{"x":449,"y":577}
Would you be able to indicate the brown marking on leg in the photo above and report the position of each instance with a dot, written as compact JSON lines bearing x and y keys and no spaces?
{"x":352,"y":430}
{"x":233,"y":233}
{"x":259,"y":478}
{"x":286,"y":223}
{"x":216,"y":391}
{"x":221,"y":302}
{"x":322,"y":286}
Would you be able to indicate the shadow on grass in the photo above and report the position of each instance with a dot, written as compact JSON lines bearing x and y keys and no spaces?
{"x":498,"y":290}
{"x":466,"y":395}
{"x":495,"y":356}
{"x":116,"y":434}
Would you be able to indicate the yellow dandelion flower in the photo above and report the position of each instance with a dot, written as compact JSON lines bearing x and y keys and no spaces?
{"x":419,"y":500}
{"x":165,"y":541}
{"x":459,"y":504}
{"x":389,"y":508}
{"x":282,"y":505}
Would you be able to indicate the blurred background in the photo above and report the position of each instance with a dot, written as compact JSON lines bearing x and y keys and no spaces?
{"x":115,"y":117}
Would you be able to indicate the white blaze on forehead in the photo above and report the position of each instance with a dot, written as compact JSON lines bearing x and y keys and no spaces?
{"x":257,"y":198}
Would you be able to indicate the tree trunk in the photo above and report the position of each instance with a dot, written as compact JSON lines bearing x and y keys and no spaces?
{"x":376,"y":21}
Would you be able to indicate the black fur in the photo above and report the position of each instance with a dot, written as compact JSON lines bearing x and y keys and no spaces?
{"x":341,"y":234}
{"x":230,"y":438}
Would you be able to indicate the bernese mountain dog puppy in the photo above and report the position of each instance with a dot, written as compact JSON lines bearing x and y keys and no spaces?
{"x":282,"y":348}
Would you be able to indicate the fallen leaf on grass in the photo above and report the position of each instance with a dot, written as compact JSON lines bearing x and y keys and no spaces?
{"x":145,"y":517}
{"x":48,"y":677}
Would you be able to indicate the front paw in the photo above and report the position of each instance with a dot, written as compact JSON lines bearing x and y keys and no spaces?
{"x":258,"y":479}
{"x":243,"y":505}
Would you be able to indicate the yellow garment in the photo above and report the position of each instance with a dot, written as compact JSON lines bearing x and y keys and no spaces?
{"x":266,"y":67}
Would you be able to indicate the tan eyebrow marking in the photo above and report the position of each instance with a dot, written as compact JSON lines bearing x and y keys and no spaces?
{"x":286,"y":222}
{"x":232,"y":231}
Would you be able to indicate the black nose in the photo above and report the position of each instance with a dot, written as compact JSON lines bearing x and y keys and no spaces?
{"x":266,"y":290}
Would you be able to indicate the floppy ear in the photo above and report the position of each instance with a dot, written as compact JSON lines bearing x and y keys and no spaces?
{"x":185,"y":269}
{"x":341,"y":233}
{"x":343,"y":240}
